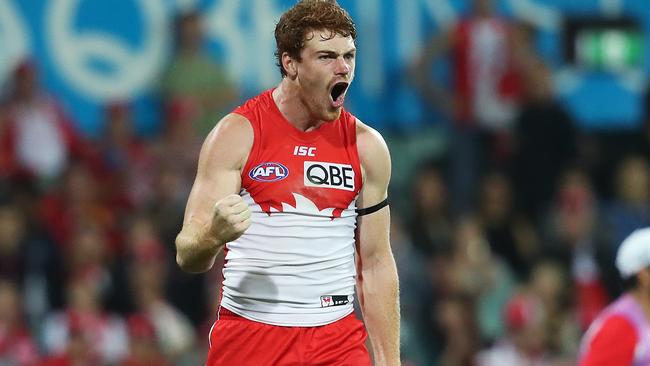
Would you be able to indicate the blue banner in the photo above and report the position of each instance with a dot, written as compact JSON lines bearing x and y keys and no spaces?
{"x":92,"y":52}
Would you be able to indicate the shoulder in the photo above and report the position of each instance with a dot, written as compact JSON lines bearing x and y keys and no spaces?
{"x":231,"y":139}
{"x":233,"y":125}
{"x":370,"y":140}
{"x":616,"y":326}
{"x":374,"y":155}
{"x":612,"y":342}
{"x":253,"y":105}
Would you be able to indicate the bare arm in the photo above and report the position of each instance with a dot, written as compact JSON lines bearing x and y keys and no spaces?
{"x":215,"y":213}
{"x":377,"y":277}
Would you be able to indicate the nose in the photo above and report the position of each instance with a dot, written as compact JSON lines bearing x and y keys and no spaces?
{"x":342,"y":66}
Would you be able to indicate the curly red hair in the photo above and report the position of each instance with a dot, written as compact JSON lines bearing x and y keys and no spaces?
{"x":294,"y":25}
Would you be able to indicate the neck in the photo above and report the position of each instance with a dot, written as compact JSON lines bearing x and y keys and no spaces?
{"x":288,"y":98}
{"x":643,"y":298}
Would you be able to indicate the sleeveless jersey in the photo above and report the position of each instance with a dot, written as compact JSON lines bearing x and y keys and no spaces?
{"x":294,"y":266}
{"x":628,"y":308}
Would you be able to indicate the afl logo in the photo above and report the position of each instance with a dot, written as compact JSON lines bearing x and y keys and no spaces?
{"x":269,"y":172}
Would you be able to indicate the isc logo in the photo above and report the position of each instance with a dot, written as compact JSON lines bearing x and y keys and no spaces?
{"x":304,"y":151}
{"x":268,"y":172}
{"x":328,"y":175}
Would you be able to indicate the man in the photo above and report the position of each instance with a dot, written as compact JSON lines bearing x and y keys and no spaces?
{"x":194,"y":80}
{"x":35,"y":118}
{"x":282,"y":184}
{"x":620,"y":335}
{"x":482,"y":97}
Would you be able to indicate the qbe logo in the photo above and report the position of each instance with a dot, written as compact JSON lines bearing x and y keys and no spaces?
{"x":329,"y":175}
{"x":269,"y":172}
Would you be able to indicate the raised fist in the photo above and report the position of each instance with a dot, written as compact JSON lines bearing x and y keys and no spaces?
{"x":230,"y":218}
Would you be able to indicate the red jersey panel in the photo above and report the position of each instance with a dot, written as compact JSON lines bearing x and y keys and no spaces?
{"x":321,"y":165}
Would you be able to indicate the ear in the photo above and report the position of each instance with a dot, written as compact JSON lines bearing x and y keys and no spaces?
{"x":290,"y":65}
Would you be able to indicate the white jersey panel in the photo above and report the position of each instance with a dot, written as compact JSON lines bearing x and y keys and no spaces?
{"x":292,"y":268}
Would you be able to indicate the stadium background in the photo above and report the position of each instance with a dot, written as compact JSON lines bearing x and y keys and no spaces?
{"x":107,"y":60}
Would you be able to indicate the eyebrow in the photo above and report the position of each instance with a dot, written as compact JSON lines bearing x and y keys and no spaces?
{"x":330,"y":52}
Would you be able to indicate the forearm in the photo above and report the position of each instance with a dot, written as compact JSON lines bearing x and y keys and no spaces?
{"x":196,"y":249}
{"x":380,"y":306}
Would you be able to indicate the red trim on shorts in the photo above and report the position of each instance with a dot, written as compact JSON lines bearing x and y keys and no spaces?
{"x":236,"y":340}
{"x":224,"y":313}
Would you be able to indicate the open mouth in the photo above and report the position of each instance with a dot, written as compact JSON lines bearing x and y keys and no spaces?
{"x":338,"y":93}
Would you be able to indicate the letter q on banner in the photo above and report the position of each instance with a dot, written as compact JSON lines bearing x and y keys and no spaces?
{"x":132,"y":69}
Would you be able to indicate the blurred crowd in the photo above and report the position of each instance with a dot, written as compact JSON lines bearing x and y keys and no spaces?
{"x":505,"y":248}
{"x":87,"y":227}
{"x":507,"y":252}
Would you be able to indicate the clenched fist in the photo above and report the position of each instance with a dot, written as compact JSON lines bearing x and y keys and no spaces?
{"x":230,"y":218}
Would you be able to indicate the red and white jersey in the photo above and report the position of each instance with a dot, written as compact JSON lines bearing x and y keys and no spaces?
{"x":486,"y":81}
{"x":294,"y":266}
{"x":620,"y":335}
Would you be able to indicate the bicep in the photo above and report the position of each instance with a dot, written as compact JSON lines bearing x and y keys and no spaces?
{"x":209,"y":188}
{"x":373,"y":229}
{"x":373,"y":236}
{"x":219,"y":169}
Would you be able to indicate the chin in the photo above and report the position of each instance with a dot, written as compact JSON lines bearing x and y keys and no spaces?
{"x":332,"y":114}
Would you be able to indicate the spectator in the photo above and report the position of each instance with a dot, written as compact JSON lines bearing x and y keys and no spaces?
{"x":147,"y":271}
{"x":128,"y":161}
{"x":36,"y":119}
{"x":194,"y":79}
{"x":13,"y":243}
{"x":545,"y":142}
{"x":78,"y":201}
{"x":577,"y":241}
{"x":548,"y":282}
{"x":28,"y":260}
{"x":484,"y":92}
{"x":475,"y":272}
{"x":455,"y":316}
{"x":78,"y":349}
{"x":16,"y":344}
{"x":430,"y":226}
{"x":510,"y":236}
{"x":84,"y":330}
{"x":630,"y":208}
{"x":144,"y":348}
{"x":88,"y":257}
{"x":524,"y":342}
{"x":176,"y":160}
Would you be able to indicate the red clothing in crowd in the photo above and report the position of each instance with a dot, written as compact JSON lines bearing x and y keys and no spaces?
{"x":17,"y":347}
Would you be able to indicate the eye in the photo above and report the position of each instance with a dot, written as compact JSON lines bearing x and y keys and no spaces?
{"x":349,"y":56}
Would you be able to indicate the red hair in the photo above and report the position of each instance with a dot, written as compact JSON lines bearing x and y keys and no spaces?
{"x":307,"y":15}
